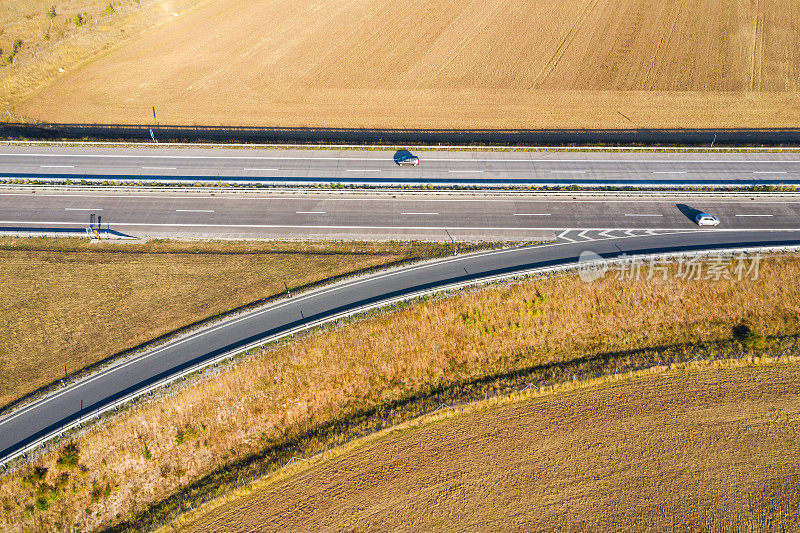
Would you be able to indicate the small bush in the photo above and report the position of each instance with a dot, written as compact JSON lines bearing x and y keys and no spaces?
{"x":79,"y":20}
{"x":146,"y":453}
{"x":749,"y":338}
{"x":34,"y":476}
{"x":69,"y":457}
{"x":186,"y":434}
{"x":97,"y":492}
{"x":51,"y":13}
{"x":42,"y":504}
{"x":109,"y":10}
{"x":472,"y":318}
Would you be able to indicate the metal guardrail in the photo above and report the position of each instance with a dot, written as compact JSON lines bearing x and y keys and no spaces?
{"x":96,"y":414}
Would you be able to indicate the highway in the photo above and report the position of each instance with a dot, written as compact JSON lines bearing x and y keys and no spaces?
{"x":378,"y":167}
{"x":607,"y":225}
{"x":67,"y":405}
{"x":372,"y":215}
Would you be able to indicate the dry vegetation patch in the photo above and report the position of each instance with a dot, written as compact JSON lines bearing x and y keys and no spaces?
{"x":687,"y":450}
{"x":68,"y":303}
{"x":449,"y":64}
{"x":39,"y":37}
{"x":477,"y":342}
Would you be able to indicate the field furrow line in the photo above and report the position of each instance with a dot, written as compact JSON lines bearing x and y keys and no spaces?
{"x":445,"y":66}
{"x":757,"y":49}
{"x":563,"y":45}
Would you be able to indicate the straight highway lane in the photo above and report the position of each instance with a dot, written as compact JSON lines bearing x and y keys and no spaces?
{"x":378,"y":166}
{"x":70,"y":403}
{"x":523,"y":216}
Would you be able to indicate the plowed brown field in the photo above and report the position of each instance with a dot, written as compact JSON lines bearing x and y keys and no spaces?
{"x":446,"y":63}
{"x":703,"y":450}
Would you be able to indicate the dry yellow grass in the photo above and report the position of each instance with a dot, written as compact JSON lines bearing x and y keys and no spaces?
{"x":699,"y":450}
{"x":73,"y":304}
{"x":288,"y":390}
{"x":445,"y":63}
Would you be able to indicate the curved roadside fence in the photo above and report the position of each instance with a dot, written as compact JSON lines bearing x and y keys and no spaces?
{"x":32,"y":425}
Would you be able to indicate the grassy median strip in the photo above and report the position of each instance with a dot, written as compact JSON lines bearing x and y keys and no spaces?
{"x":298,"y":398}
{"x":67,"y":304}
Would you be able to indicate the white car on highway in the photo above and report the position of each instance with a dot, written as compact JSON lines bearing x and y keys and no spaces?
{"x":704,"y":219}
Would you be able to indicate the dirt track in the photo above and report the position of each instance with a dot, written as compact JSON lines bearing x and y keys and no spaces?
{"x":713,"y":449}
{"x":448,"y":64}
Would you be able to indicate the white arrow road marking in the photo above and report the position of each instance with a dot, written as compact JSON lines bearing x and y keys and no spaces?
{"x":582,"y":235}
{"x":606,"y":234}
{"x":563,"y":234}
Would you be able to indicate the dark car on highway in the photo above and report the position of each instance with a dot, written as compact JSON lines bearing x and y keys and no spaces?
{"x":408,"y":160}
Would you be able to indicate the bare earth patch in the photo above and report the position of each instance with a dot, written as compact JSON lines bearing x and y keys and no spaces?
{"x":698,"y":450}
{"x":449,"y":64}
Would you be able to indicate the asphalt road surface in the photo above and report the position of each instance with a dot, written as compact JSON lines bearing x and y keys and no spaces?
{"x":520,"y":217}
{"x":379,"y":168}
{"x":70,"y":403}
